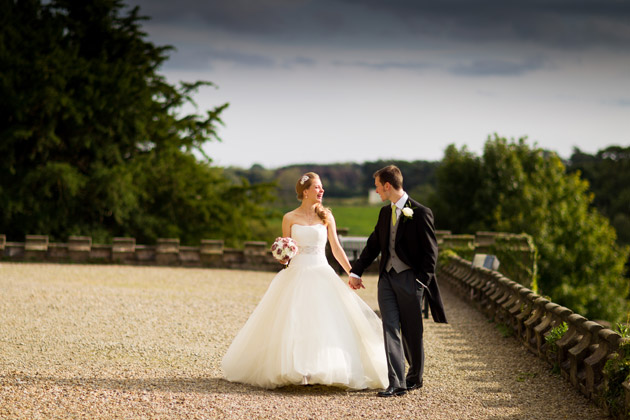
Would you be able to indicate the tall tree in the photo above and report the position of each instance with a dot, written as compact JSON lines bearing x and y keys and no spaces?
{"x":458,"y":178}
{"x":608,"y":173}
{"x":517,"y":188}
{"x":91,"y":136}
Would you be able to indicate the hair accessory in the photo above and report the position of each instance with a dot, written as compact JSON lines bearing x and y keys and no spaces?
{"x":303,"y":179}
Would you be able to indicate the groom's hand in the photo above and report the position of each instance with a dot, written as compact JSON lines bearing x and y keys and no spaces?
{"x":355,"y":283}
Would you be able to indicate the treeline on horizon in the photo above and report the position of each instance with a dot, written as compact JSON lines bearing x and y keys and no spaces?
{"x":340,"y":180}
{"x":607,"y":172}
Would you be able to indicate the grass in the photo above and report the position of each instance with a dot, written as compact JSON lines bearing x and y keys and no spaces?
{"x":360,"y":220}
{"x":505,"y":330}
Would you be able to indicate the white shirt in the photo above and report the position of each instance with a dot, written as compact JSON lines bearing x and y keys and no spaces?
{"x":400,"y":204}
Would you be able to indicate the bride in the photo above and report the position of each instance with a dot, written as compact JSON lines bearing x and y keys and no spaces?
{"x":309,"y":327}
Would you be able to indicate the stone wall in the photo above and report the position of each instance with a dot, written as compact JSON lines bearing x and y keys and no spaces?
{"x":581,"y":352}
{"x":167,"y":251}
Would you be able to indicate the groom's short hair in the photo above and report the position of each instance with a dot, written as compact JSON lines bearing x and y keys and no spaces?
{"x":390,"y":174}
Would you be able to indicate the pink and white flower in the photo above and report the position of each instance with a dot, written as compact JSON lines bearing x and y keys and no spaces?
{"x":284,"y":249}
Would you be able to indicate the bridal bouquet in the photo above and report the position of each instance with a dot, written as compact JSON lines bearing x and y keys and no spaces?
{"x":283,"y":249}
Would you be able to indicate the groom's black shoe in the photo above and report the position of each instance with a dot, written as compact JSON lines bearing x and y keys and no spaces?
{"x":411,"y":386}
{"x":392,"y":392}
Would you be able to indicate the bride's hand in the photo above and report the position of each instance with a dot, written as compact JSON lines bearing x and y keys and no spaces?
{"x":355,"y":283}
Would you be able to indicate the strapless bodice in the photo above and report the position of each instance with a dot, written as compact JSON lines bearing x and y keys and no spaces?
{"x":311,"y":239}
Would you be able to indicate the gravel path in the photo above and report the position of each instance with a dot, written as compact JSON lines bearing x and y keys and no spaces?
{"x":120,"y":342}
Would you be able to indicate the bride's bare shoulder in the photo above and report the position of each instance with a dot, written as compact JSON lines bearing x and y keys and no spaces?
{"x":291,"y":215}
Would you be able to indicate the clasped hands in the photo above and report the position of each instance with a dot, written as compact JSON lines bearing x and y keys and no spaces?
{"x":355,"y":283}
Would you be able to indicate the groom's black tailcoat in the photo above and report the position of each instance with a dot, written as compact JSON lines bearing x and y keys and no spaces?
{"x":416,"y":246}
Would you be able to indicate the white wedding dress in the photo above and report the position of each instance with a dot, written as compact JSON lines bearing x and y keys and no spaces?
{"x":309,"y":328}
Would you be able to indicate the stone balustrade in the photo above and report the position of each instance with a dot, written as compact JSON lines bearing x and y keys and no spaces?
{"x":122,"y":250}
{"x":79,"y":248}
{"x":456,"y":241}
{"x":581,"y":352}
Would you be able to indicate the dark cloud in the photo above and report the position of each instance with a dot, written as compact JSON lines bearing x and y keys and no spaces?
{"x":496,"y":67}
{"x":264,"y":17}
{"x":200,"y":57}
{"x":499,"y":37}
{"x":560,"y":23}
{"x":205,"y":58}
{"x":550,"y":22}
{"x":386,"y":65}
{"x":239,"y":58}
{"x":299,"y":61}
{"x":621,"y":102}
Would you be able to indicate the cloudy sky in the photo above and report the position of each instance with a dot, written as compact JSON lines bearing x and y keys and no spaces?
{"x":328,"y":81}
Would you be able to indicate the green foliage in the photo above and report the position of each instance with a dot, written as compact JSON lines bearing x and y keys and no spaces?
{"x":608,"y":173}
{"x":516,"y":188}
{"x":524,"y":376}
{"x":91,"y":136}
{"x":616,"y":372}
{"x":462,"y":247}
{"x":518,"y":258}
{"x":444,"y":256}
{"x":555,"y":334}
{"x":623,"y":328}
{"x":505,"y":330}
{"x":458,"y":179}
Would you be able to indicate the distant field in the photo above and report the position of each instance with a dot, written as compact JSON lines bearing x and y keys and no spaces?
{"x":360,"y":220}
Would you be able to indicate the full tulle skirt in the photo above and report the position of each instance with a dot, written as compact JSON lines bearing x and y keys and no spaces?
{"x":309,"y":327}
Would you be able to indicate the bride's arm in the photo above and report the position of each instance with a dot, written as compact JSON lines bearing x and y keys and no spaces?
{"x":335,"y":246}
{"x":286,"y":226}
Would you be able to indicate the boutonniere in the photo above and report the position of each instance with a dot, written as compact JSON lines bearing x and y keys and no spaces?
{"x":407,"y":212}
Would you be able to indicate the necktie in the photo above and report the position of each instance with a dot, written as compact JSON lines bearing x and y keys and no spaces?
{"x":393,"y":214}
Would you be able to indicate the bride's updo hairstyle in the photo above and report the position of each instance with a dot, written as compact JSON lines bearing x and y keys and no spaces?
{"x":304,"y":183}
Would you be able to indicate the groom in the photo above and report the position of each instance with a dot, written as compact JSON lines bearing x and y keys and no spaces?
{"x":405,"y":237}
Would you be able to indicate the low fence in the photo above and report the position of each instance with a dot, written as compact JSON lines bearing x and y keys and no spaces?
{"x":255,"y":255}
{"x":579,"y":352}
{"x":212,"y":253}
{"x":167,"y":251}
